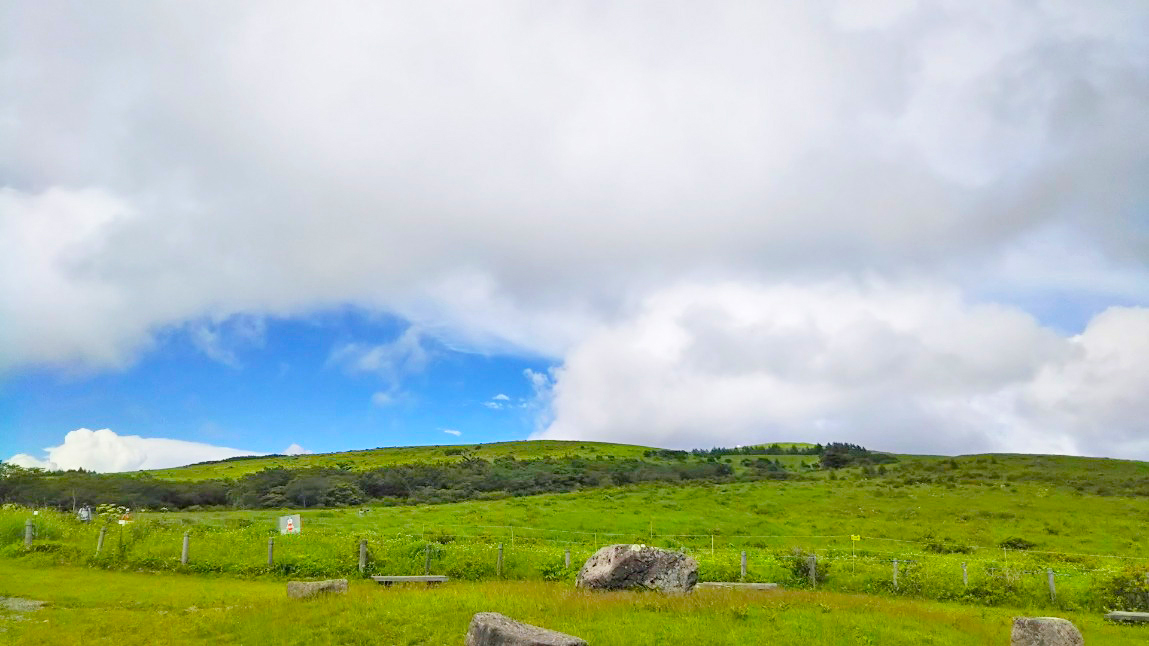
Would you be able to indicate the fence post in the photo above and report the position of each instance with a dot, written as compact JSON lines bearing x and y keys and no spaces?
{"x":567,"y":558}
{"x":362,"y":555}
{"x":184,"y":553}
{"x":964,"y":576}
{"x":743,"y":564}
{"x":499,"y":563}
{"x":712,"y":544}
{"x":270,"y":552}
{"x":427,"y":565}
{"x":895,"y":574}
{"x":29,"y":531}
{"x":100,"y":540}
{"x":1052,"y":588}
{"x":512,"y":535}
{"x":813,"y":570}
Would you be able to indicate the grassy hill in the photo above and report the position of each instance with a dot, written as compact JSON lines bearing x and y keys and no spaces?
{"x":1101,"y":476}
{"x":1009,"y":518}
{"x":388,"y":456}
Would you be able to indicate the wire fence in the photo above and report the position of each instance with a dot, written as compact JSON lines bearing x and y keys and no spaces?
{"x":840,"y":562}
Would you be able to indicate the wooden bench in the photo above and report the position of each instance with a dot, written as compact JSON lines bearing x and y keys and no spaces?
{"x":1128,"y":617}
{"x":724,"y":585}
{"x":429,"y":580}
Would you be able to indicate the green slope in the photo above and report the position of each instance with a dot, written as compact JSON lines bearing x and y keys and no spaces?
{"x":369,"y":458}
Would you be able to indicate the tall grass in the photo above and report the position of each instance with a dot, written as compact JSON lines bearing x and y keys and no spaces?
{"x":239,"y":546}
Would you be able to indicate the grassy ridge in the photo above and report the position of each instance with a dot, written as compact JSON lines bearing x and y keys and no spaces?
{"x":389,"y":456}
{"x":137,"y":608}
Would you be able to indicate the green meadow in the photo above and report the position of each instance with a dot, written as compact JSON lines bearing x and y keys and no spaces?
{"x":974,"y":539}
{"x":85,"y":605}
{"x":1008,"y":538}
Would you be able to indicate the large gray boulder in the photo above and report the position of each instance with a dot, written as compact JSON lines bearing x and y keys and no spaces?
{"x":618,"y":567}
{"x":1044,"y":631}
{"x":493,"y":629}
{"x":305,"y":589}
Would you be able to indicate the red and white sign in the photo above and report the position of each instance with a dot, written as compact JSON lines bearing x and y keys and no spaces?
{"x":290,"y":524}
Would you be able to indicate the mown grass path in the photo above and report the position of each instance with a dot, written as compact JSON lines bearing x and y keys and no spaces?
{"x":95,"y":606}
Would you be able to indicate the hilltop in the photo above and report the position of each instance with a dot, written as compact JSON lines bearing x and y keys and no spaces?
{"x":361,"y":460}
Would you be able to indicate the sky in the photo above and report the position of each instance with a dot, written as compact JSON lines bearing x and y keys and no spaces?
{"x":237,"y":228}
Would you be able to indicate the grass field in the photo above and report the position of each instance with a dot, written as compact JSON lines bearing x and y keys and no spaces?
{"x":1009,"y":519}
{"x":930,"y":529}
{"x":95,"y":606}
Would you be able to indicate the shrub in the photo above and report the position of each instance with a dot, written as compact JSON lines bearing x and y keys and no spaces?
{"x":556,"y":571}
{"x":1017,"y":543}
{"x":946,"y":546}
{"x":797,"y":561}
{"x":1126,"y":590}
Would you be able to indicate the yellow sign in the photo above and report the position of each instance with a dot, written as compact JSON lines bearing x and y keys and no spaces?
{"x":855,"y":537}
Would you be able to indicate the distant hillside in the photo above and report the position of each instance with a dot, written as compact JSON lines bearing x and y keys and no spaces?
{"x":390,"y":456}
{"x":364,"y":459}
{"x":452,"y":473}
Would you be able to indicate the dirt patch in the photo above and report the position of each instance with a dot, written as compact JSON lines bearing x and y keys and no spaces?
{"x":16,"y":604}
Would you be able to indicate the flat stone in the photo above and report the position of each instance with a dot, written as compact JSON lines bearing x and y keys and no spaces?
{"x":306,"y":589}
{"x":621,"y":567}
{"x":1128,"y":617}
{"x":1044,"y":631}
{"x":428,"y":579}
{"x":732,"y":585}
{"x":493,"y":629}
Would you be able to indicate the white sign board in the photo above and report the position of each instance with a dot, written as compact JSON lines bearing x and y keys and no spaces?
{"x":289,"y":524}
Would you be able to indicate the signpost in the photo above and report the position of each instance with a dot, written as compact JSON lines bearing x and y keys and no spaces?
{"x":290,"y":524}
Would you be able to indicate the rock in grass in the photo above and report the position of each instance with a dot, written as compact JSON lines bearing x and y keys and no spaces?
{"x":493,"y":629}
{"x":306,"y":589}
{"x":619,"y":567}
{"x":1044,"y":631}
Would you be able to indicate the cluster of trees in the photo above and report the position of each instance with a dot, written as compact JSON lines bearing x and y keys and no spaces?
{"x":471,"y":478}
{"x":837,"y":455}
{"x":767,"y":468}
{"x":761,"y":449}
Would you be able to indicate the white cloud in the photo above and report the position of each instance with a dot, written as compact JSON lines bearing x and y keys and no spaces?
{"x":29,"y":462}
{"x":219,"y":339}
{"x":554,"y":205}
{"x":498,"y":402}
{"x":105,"y":451}
{"x":382,"y":399}
{"x":893,"y":367}
{"x":526,"y":200}
{"x":392,"y":361}
{"x":295,"y":449}
{"x":451,"y":431}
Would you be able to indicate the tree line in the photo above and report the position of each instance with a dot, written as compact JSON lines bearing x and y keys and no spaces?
{"x":468,"y":479}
